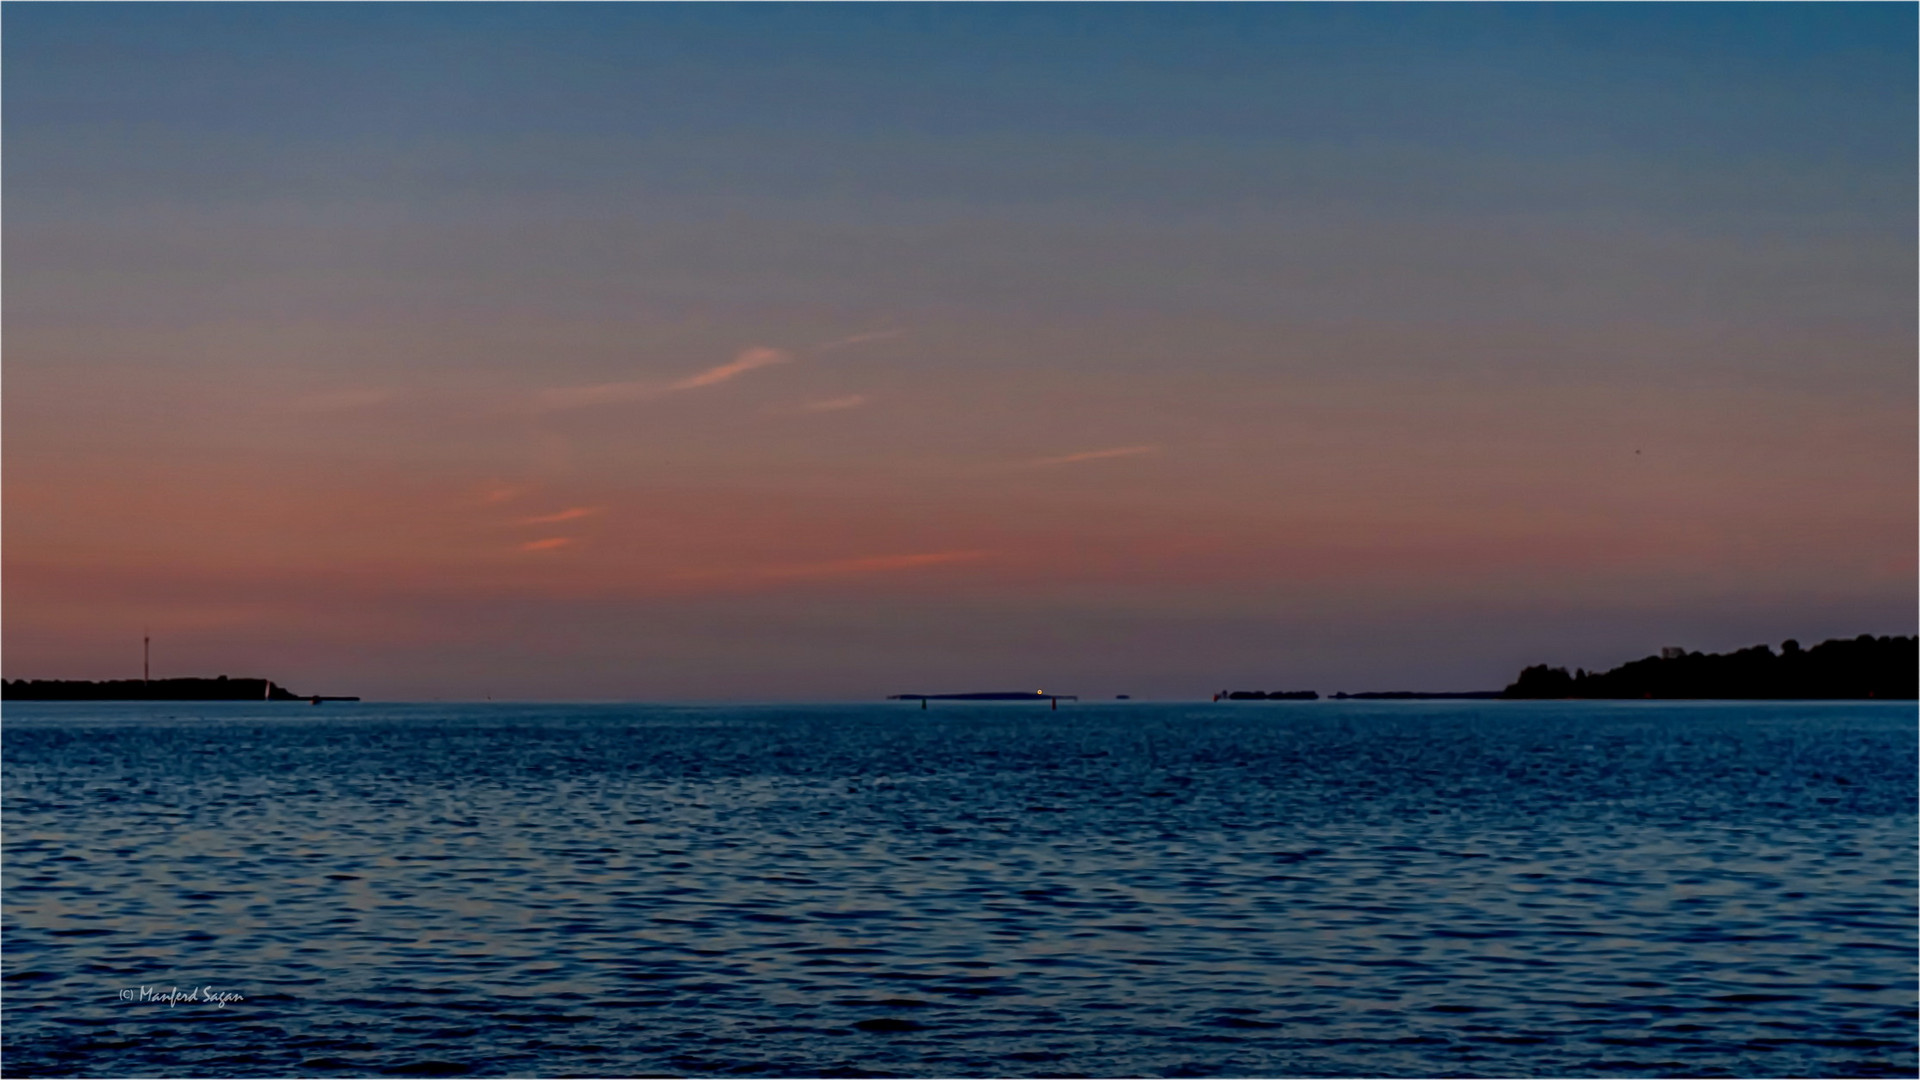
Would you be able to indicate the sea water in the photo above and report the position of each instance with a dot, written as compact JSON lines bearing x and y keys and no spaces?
{"x":1270,"y":889}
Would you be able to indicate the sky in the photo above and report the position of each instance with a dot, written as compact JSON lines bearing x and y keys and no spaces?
{"x":769,"y":352}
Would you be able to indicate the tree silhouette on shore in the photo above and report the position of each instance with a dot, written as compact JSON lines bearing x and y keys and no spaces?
{"x":1844,"y":668}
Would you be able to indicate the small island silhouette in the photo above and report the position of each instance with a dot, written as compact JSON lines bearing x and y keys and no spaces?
{"x":1267,"y":695}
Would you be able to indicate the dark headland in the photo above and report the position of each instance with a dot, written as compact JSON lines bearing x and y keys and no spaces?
{"x":217,"y":689}
{"x":1840,"y":669}
{"x":1865,"y":667}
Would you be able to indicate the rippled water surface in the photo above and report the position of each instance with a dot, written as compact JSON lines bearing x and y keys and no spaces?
{"x":1485,"y":888}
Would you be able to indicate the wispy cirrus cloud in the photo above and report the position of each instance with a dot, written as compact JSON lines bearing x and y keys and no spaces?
{"x":1091,"y":455}
{"x":574,"y":397}
{"x":552,"y":543}
{"x":832,"y":568}
{"x":748,"y":360}
{"x":500,"y":493}
{"x":574,"y":513}
{"x":857,"y":339}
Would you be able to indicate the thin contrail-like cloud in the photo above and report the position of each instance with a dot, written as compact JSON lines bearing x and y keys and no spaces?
{"x":549,"y":544}
{"x":758,"y":356}
{"x":570,"y":514}
{"x":1093,"y":455}
{"x":857,"y":339}
{"x":573,"y":397}
{"x":748,"y":360}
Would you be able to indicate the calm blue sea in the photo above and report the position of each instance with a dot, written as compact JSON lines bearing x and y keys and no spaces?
{"x":1247,"y":889}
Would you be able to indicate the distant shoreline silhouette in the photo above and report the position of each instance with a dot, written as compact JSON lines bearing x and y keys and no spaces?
{"x":1840,"y":669}
{"x":221,"y":688}
{"x":1267,"y":695}
{"x":1418,"y":695}
{"x":987,"y":695}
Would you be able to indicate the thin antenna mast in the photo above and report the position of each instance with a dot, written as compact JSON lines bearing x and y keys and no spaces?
{"x":146,"y":657}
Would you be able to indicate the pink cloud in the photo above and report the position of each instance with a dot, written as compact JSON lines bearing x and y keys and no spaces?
{"x":858,"y":339}
{"x":1093,"y":455}
{"x":570,"y":514}
{"x":549,"y":544}
{"x":748,"y":360}
{"x":573,"y":397}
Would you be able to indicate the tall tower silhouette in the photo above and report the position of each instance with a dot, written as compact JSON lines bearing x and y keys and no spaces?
{"x":146,"y":658}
